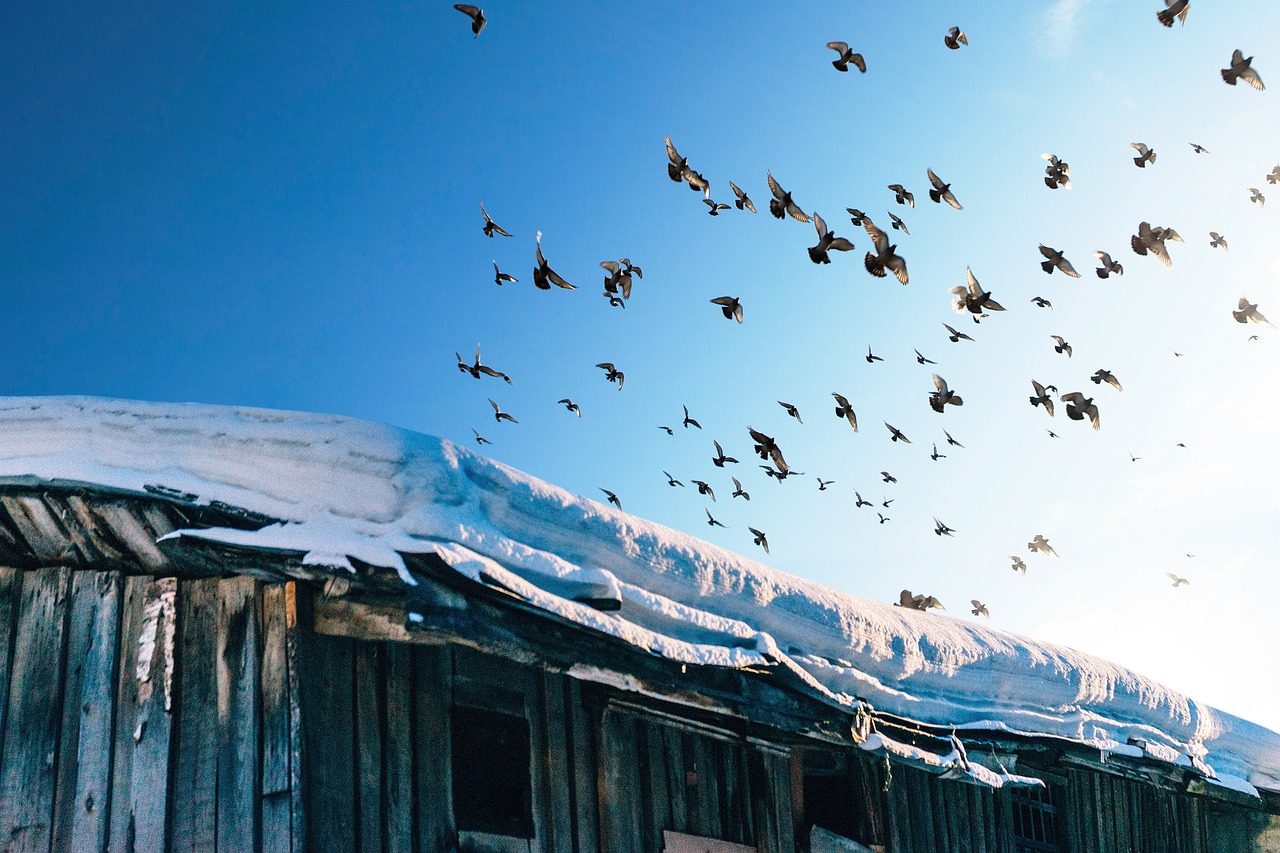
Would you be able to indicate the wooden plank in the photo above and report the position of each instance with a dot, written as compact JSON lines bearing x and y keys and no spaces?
{"x":278,"y":756}
{"x":975,"y":832}
{"x":897,"y":813}
{"x":557,"y":773}
{"x":583,"y":731}
{"x":33,"y":521}
{"x":80,"y":821}
{"x":658,"y":782}
{"x":621,"y":807}
{"x":10,"y":607}
{"x":195,"y":775}
{"x":433,"y":699}
{"x":237,"y":675}
{"x":781,"y":765}
{"x":398,"y":771}
{"x":678,"y":787}
{"x":29,"y":775}
{"x":368,"y":721}
{"x":153,"y":729}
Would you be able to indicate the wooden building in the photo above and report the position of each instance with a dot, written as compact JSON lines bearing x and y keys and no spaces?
{"x":195,"y":697}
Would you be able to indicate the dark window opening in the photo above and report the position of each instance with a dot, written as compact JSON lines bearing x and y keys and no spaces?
{"x":1036,"y":827}
{"x":492,"y":789}
{"x":840,"y":796}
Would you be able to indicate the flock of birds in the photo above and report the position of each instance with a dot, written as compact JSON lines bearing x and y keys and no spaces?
{"x":969,"y":299}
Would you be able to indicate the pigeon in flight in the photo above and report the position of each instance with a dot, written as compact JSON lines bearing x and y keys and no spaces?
{"x":1056,"y":260}
{"x":613,"y":499}
{"x":1257,"y":197}
{"x":1241,"y":69}
{"x":544,"y":276}
{"x":979,"y":609}
{"x":704,"y":489}
{"x":827,"y":241}
{"x":491,"y":227}
{"x":1273,"y":177}
{"x":896,"y":223}
{"x":1199,"y":149}
{"x":871,"y":357}
{"x":571,"y":406}
{"x":860,"y":502}
{"x":720,"y":459}
{"x":477,"y":21}
{"x":612,"y":373}
{"x":480,"y":439}
{"x":846,"y":56}
{"x":1177,"y":581}
{"x":941,"y":191}
{"x":883,"y":517}
{"x":499,"y":415}
{"x":1062,"y":345}
{"x":1057,"y":173}
{"x":954,"y":38}
{"x":1100,"y":376}
{"x":1042,"y":397}
{"x":956,"y":337}
{"x":711,"y":519}
{"x":1042,"y":545}
{"x":856,"y":216}
{"x":1041,"y":302}
{"x":887,"y":477}
{"x":1079,"y":407}
{"x":885,"y":257}
{"x":844,"y":409}
{"x":672,"y":481}
{"x":972,"y":298}
{"x":477,"y":368}
{"x":742,"y":201}
{"x":1152,"y":239}
{"x":715,"y":206}
{"x":951,"y":440}
{"x":935,"y":455}
{"x":668,"y":430}
{"x":766,"y":448}
{"x":781,"y":204}
{"x":902,"y":196}
{"x":1217,"y":241}
{"x":822,"y":484}
{"x":738,"y":491}
{"x":499,"y":276}
{"x":1174,"y":9}
{"x":1018,"y":565}
{"x":760,"y":539}
{"x":730,"y":307}
{"x":1108,"y":266}
{"x":920,"y":359}
{"x":939,"y":399}
{"x":791,"y":410}
{"x":918,"y":602}
{"x":895,"y":434}
{"x":688,"y":421}
{"x":941,"y":529}
{"x":1249,"y":313}
{"x":678,"y":170}
{"x":1145,"y":155}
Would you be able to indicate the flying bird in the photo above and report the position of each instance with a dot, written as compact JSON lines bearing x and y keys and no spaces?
{"x":711,"y":519}
{"x":956,"y":337}
{"x":720,"y":459}
{"x":1056,"y":260}
{"x":941,"y":191}
{"x":939,"y":399}
{"x":954,"y":38}
{"x":846,"y":56}
{"x":920,"y":359}
{"x":1273,"y":177}
{"x":704,"y":489}
{"x":1041,"y":302}
{"x":480,"y":439}
{"x":743,"y":202}
{"x":1145,"y":155}
{"x":883,"y":517}
{"x":1217,"y":241}
{"x":730,"y":306}
{"x":1079,"y":407}
{"x":715,"y":206}
{"x":491,"y":227}
{"x":941,"y":529}
{"x":979,"y":609}
{"x":1100,"y":376}
{"x":895,"y":434}
{"x":477,"y":368}
{"x":1177,"y":581}
{"x":887,"y":477}
{"x":668,"y":430}
{"x":972,"y":298}
{"x":678,"y":170}
{"x":1241,"y":69}
{"x":951,"y":440}
{"x":612,"y":373}
{"x":620,"y":275}
{"x":918,"y":602}
{"x":782,"y":204}
{"x":780,"y":475}
{"x":1018,"y":565}
{"x":871,"y":357}
{"x":902,"y":196}
{"x":860,"y":502}
{"x":688,"y":421}
{"x":738,"y":491}
{"x":571,"y":406}
{"x":1042,"y":397}
{"x":1257,"y":197}
{"x":672,"y":481}
{"x":613,"y":499}
{"x":1249,"y":313}
{"x":1152,"y":239}
{"x":1042,"y":545}
{"x":766,"y":448}
{"x":499,"y":276}
{"x":1174,"y":9}
{"x":760,"y":539}
{"x":1199,"y":149}
{"x":885,"y":503}
{"x":885,"y":257}
{"x":827,"y":241}
{"x":1061,"y":345}
{"x":1057,"y":173}
{"x":1107,"y":266}
{"x":844,"y":409}
{"x":544,"y":276}
{"x":499,"y":415}
{"x":791,"y":410}
{"x":856,"y":216}
{"x":896,"y":223}
{"x":935,"y":455}
{"x":477,"y":21}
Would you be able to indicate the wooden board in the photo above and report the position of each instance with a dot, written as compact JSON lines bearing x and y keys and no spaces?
{"x":398,"y":770}
{"x":238,"y":708}
{"x":281,"y":756}
{"x":195,"y":774}
{"x":153,"y":726}
{"x":368,"y":721}
{"x":433,"y":697}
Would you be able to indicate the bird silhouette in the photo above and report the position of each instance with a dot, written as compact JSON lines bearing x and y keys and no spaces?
{"x":1177,"y":581}
{"x":1079,"y":407}
{"x":1174,"y":9}
{"x":1257,"y":197}
{"x":741,"y":200}
{"x":1242,"y":69}
{"x":954,"y":38}
{"x":767,"y":449}
{"x":827,"y":241}
{"x":499,"y":415}
{"x":885,"y":259}
{"x":719,"y":459}
{"x":1018,"y":565}
{"x":822,"y":484}
{"x":738,"y":491}
{"x":1057,"y":173}
{"x":672,"y":481}
{"x":1104,"y":375}
{"x":688,"y":421}
{"x":895,"y":222}
{"x":491,"y":227}
{"x":871,"y":357}
{"x":1056,"y":261}
{"x":571,"y":406}
{"x":887,"y":477}
{"x":791,"y":410}
{"x":544,"y":276}
{"x":845,"y":410}
{"x":859,"y":502}
{"x":668,"y":430}
{"x":895,"y":434}
{"x":956,"y":337}
{"x":612,"y":373}
{"x":883,"y":517}
{"x":711,"y":519}
{"x":730,"y":306}
{"x":613,"y":499}
{"x":782,"y":204}
{"x":678,"y":170}
{"x":1145,"y":155}
{"x":935,"y":455}
{"x":941,"y":529}
{"x":846,"y":56}
{"x":1040,"y":544}
{"x":1107,"y":266}
{"x":1217,"y":241}
{"x":951,"y":440}
{"x":715,"y":206}
{"x":972,"y":298}
{"x":1042,"y":397}
{"x":1199,"y":149}
{"x":499,"y":276}
{"x":480,"y":439}
{"x":941,"y":191}
{"x":1061,"y":346}
{"x":979,"y":609}
{"x":704,"y":488}
{"x":943,"y":395}
{"x":902,"y":196}
{"x":1041,"y":302}
{"x":1152,"y":239}
{"x":760,"y":539}
{"x":1249,"y":313}
{"x":918,"y":602}
{"x":920,"y":359}
{"x":478,"y":21}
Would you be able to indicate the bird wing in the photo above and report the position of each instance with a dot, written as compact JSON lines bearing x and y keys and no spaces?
{"x":940,"y":384}
{"x":878,"y":238}
{"x":934,"y":179}
{"x":820,"y":225}
{"x":672,"y":154}
{"x":975,"y":289}
{"x":857,"y":60}
{"x":839,"y":47}
{"x":776,"y":189}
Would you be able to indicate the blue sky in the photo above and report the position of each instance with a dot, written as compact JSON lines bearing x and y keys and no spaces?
{"x":280,"y":207}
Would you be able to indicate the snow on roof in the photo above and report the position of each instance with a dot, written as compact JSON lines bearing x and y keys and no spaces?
{"x":351,"y":488}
